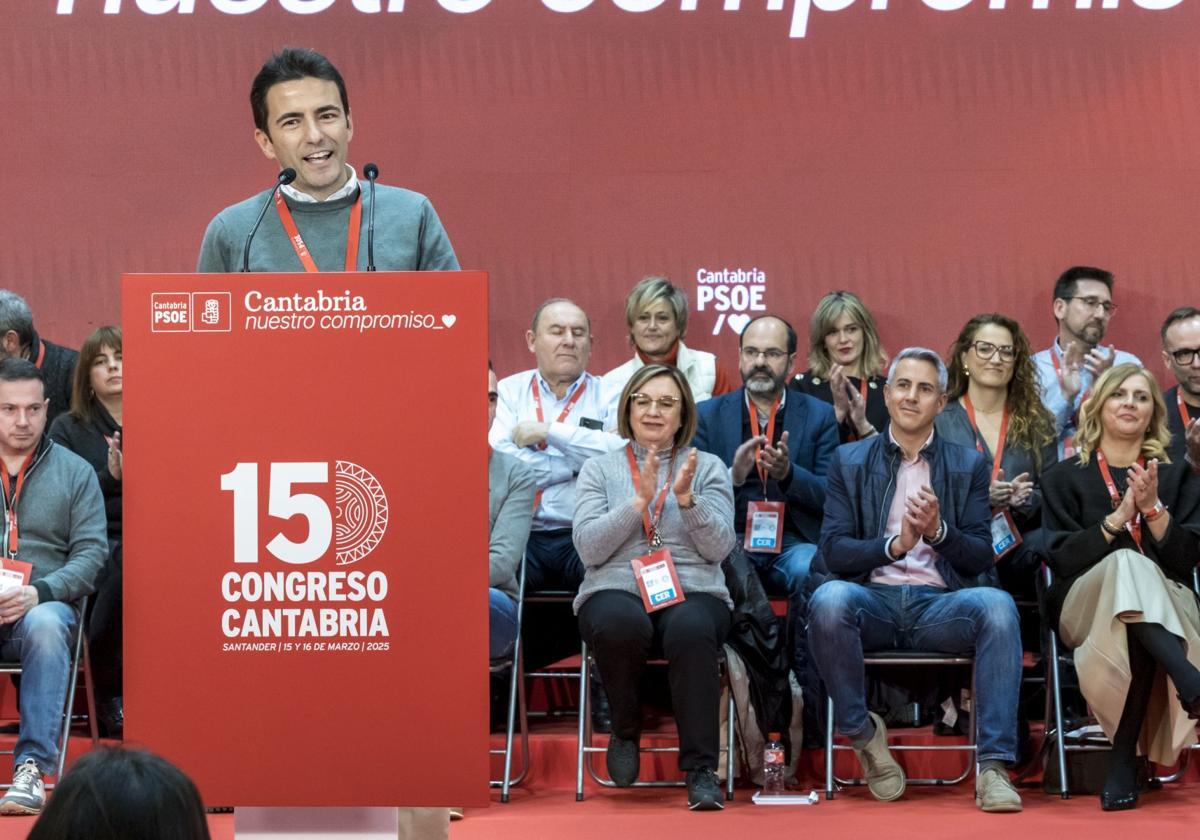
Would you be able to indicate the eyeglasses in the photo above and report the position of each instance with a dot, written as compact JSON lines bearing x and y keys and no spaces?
{"x":644,"y":401}
{"x":986,"y":350}
{"x":1096,"y":303}
{"x":751,"y":354}
{"x":1185,"y":355}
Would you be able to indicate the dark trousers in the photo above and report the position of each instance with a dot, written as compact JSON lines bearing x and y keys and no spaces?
{"x":551,"y":562}
{"x":104,"y":629}
{"x":689,"y":636}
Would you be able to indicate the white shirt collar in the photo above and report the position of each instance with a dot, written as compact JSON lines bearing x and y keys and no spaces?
{"x":346,"y":189}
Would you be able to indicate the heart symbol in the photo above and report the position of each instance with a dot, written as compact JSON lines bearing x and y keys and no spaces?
{"x":449,"y":320}
{"x":738,"y":321}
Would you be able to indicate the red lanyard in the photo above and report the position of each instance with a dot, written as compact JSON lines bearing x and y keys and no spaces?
{"x":754,"y":430}
{"x":862,"y":388}
{"x":537,"y":402}
{"x":37,"y":363}
{"x":650,"y":524}
{"x":10,"y":502}
{"x":966,"y":400}
{"x":1183,"y":411}
{"x":289,"y":224}
{"x":1134,"y":526}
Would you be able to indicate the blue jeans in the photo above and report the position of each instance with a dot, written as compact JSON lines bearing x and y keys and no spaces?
{"x":551,"y":562}
{"x":846,"y":618}
{"x":784,"y":573}
{"x":502,"y":624}
{"x":41,"y":640}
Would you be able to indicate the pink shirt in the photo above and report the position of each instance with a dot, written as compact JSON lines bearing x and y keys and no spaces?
{"x":917,"y":567}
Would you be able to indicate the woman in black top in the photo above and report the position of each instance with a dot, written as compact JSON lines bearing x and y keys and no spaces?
{"x":1121,"y":533}
{"x":846,"y":364}
{"x":995,"y":406}
{"x":92,"y":430}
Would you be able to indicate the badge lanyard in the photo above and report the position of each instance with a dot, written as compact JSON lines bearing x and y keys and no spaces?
{"x":537,"y":404}
{"x":11,"y":497}
{"x":1133,"y":526}
{"x":1183,"y":410}
{"x":289,"y":224}
{"x":754,"y":430}
{"x":650,"y":524}
{"x":37,"y":363}
{"x":979,"y":438}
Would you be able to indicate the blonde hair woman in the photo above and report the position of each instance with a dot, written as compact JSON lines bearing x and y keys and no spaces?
{"x":657,"y":312}
{"x":1121,"y":532}
{"x":846,"y":365}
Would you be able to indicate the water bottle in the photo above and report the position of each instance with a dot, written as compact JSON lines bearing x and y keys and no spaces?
{"x":773,"y":765}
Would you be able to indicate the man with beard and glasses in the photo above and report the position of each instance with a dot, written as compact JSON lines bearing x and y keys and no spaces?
{"x":1181,"y":354}
{"x":1083,"y":306}
{"x":777,"y":443}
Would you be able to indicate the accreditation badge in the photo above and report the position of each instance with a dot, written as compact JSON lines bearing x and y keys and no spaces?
{"x":14,"y":573}
{"x":764,"y":527}
{"x":1005,"y":536}
{"x":657,"y":580}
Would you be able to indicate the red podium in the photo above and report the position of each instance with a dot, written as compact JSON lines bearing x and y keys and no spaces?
{"x":305,"y":536}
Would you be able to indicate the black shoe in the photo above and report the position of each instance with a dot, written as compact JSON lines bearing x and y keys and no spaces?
{"x":1123,"y":801}
{"x":623,"y":761}
{"x":704,"y":790}
{"x":110,"y":717}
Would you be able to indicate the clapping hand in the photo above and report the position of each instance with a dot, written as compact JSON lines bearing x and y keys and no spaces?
{"x":116,"y":460}
{"x":1070,"y":372}
{"x":647,"y":481}
{"x":776,"y":459}
{"x":683,"y":479}
{"x":1143,"y":482}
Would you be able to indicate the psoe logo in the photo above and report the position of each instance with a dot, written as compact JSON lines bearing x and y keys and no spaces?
{"x":212,"y":312}
{"x":170,"y":312}
{"x":734,"y":295}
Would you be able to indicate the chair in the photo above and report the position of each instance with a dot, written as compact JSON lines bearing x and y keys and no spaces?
{"x":80,"y":661}
{"x":586,"y":749}
{"x":905,"y":658}
{"x":516,"y":703}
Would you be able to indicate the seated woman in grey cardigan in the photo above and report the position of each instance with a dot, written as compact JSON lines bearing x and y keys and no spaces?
{"x":653,"y":521}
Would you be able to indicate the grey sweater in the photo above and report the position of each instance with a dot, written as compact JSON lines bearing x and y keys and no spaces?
{"x":608,"y":532}
{"x":61,"y":515}
{"x":408,"y":235}
{"x":511,"y":487}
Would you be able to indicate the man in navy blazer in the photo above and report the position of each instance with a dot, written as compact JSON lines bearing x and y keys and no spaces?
{"x":777,"y":444}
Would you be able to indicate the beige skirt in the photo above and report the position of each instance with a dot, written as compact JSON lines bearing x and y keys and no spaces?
{"x":1124,"y":587}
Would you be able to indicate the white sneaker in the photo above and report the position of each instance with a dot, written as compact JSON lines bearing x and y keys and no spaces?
{"x":28,"y":792}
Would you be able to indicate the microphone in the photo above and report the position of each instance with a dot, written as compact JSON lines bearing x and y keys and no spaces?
{"x":285,"y":176}
{"x":371,"y":171}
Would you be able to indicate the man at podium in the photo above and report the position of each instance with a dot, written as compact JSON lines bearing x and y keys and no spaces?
{"x":321,"y":212}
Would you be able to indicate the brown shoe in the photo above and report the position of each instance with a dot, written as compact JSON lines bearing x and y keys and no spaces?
{"x":995,"y":793}
{"x":885,"y":778}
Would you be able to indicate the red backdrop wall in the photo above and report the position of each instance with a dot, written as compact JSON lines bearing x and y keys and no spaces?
{"x":939,"y":163}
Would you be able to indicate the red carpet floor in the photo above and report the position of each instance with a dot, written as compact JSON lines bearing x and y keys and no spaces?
{"x":546,"y":808}
{"x":924,"y":814}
